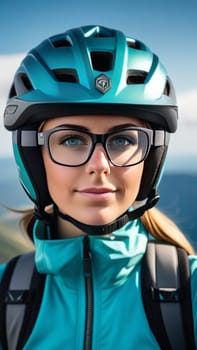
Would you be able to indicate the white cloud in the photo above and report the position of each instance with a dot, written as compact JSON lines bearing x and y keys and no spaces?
{"x":8,"y":64}
{"x":8,"y":67}
{"x":184,"y":142}
{"x":188,"y":107}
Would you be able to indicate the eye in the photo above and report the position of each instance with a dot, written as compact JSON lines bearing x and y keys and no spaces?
{"x":122,"y":141}
{"x":72,"y":141}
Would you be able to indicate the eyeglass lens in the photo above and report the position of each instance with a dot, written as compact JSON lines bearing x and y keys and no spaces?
{"x":72,"y":147}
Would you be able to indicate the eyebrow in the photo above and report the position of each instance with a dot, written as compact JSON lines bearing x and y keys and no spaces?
{"x":85,"y":129}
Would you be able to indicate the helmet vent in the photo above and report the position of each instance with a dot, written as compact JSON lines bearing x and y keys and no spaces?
{"x":134,"y":44}
{"x":102,"y":61}
{"x":136,"y":77}
{"x":12,"y":92}
{"x":62,"y":43}
{"x":98,"y":32}
{"x":22,"y":84}
{"x":66,"y":75}
{"x":100,"y":35}
{"x":167,"y":89}
{"x":103,"y":34}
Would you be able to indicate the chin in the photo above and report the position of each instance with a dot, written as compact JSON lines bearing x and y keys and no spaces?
{"x":99,"y":219}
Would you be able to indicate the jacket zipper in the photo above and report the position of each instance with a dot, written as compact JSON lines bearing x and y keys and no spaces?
{"x":89,"y":295}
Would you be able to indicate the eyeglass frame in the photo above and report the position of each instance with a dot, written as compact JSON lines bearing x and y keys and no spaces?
{"x":33,"y":138}
{"x":155,"y":138}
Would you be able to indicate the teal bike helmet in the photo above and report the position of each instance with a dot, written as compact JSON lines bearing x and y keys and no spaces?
{"x":89,"y":70}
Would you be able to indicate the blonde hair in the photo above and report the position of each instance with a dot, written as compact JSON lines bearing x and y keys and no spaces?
{"x":156,"y":223}
{"x":163,"y":228}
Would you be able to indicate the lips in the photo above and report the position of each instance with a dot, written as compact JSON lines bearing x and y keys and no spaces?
{"x":97,"y":190}
{"x":97,"y":193}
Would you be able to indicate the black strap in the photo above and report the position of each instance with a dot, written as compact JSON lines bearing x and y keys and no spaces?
{"x":187,"y":314}
{"x":112,"y":226}
{"x":166,"y":295}
{"x":4,"y":287}
{"x":22,"y":287}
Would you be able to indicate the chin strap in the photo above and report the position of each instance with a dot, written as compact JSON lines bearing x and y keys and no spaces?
{"x":98,"y":230}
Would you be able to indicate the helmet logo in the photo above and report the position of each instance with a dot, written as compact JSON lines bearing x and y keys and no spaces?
{"x":103,"y":83}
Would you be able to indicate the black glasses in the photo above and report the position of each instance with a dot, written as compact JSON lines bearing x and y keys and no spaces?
{"x":125,"y":147}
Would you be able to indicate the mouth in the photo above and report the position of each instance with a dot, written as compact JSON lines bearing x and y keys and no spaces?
{"x":97,"y":192}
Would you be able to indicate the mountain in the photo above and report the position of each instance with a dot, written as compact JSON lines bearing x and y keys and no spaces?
{"x":178,"y":200}
{"x":178,"y":192}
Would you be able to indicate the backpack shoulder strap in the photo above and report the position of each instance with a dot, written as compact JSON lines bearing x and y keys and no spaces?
{"x":21,"y":291}
{"x":167,"y":296}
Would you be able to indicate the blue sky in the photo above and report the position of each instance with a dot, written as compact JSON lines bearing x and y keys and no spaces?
{"x":168,"y":27}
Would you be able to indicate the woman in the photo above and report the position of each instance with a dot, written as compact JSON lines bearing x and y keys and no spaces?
{"x":91,"y":111}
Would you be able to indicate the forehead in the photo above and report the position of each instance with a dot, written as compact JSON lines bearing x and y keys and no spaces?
{"x":93,"y":122}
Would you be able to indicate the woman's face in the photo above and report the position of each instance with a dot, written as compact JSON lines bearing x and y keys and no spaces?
{"x":97,"y":192}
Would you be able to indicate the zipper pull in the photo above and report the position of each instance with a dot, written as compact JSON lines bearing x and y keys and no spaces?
{"x":87,"y":258}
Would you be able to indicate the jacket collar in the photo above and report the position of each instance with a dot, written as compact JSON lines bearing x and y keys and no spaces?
{"x":113,"y":258}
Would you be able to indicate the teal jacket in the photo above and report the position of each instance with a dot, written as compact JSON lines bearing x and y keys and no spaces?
{"x":119,"y":320}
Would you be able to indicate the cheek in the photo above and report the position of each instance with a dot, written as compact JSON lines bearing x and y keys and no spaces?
{"x":132,"y":180}
{"x":59,"y":178}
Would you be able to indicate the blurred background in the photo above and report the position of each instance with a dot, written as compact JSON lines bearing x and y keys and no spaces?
{"x":169,"y":29}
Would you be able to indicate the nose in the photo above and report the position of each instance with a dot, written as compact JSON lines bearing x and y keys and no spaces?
{"x":99,"y":162}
